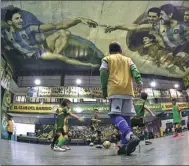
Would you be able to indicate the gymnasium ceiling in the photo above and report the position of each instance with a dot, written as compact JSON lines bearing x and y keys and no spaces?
{"x":104,"y":13}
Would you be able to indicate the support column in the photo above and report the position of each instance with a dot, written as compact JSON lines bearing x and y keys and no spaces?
{"x":62,"y":79}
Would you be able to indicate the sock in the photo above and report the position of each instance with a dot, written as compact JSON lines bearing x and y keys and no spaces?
{"x":55,"y":139}
{"x":123,"y":138}
{"x":123,"y":126}
{"x":99,"y":141}
{"x":176,"y":130}
{"x":62,"y":141}
{"x":180,"y":130}
{"x":128,"y":120}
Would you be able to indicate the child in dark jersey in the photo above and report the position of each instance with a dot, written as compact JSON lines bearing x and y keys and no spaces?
{"x":139,"y":119}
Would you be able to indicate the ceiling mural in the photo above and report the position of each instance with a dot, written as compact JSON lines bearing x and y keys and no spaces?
{"x":73,"y":36}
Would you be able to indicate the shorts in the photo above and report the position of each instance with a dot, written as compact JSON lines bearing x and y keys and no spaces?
{"x":122,"y":107}
{"x":61,"y":130}
{"x":40,"y":51}
{"x":137,"y":122}
{"x":177,"y":124}
{"x":38,"y":54}
{"x":96,"y":131}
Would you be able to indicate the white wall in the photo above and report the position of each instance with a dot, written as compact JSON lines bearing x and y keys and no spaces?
{"x":21,"y":128}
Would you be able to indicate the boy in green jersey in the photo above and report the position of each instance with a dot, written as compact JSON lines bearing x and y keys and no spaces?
{"x":140,"y":109}
{"x":96,"y":129}
{"x":177,"y":119}
{"x":61,"y":137}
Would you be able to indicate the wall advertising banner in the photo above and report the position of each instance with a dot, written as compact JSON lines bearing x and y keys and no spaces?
{"x":64,"y":92}
{"x":32,"y":108}
{"x":77,"y":108}
{"x":168,"y":106}
{"x":6,"y":74}
{"x":5,"y":105}
{"x":3,"y":63}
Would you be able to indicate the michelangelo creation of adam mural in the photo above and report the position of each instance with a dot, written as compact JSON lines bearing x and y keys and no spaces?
{"x":78,"y":38}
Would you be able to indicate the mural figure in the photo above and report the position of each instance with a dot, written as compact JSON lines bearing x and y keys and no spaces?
{"x":186,"y":17}
{"x":163,"y":37}
{"x":43,"y":41}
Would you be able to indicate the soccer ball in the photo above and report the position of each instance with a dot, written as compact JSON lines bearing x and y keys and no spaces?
{"x":91,"y":144}
{"x":106,"y":144}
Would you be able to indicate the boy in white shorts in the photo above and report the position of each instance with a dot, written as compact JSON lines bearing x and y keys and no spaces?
{"x":117,"y":72}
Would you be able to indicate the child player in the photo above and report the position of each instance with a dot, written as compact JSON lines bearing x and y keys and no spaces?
{"x":177,"y":118}
{"x":117,"y":72}
{"x":141,"y":108}
{"x":61,"y":137}
{"x":95,"y":128}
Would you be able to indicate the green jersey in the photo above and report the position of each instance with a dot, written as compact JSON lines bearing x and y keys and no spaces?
{"x":139,"y":107}
{"x":176,"y":114}
{"x":62,"y":118}
{"x":95,"y":123}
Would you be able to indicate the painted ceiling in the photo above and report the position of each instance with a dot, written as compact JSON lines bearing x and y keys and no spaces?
{"x":170,"y":61}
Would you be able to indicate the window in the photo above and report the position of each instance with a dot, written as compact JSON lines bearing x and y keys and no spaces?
{"x":20,"y":99}
{"x":53,"y":100}
{"x":23,"y":99}
{"x":32,"y":100}
{"x":48,"y":100}
{"x":169,"y":125}
{"x":37,"y":100}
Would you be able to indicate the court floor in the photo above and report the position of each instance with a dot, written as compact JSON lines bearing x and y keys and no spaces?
{"x":163,"y":151}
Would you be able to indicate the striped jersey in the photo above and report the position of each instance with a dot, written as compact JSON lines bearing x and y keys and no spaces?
{"x":173,"y":37}
{"x":27,"y":41}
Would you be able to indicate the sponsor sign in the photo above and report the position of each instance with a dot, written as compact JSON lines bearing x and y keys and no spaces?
{"x":32,"y":108}
{"x":168,"y":106}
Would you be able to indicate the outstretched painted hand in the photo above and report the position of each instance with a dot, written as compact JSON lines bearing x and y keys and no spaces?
{"x":89,"y":22}
{"x":109,"y":29}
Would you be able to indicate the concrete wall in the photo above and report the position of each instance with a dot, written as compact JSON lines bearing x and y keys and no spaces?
{"x":28,"y":81}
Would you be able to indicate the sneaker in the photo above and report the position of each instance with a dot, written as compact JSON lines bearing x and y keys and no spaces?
{"x":148,"y":142}
{"x":132,"y":144}
{"x":122,"y":150}
{"x":91,"y":144}
{"x":66,"y":147}
{"x":99,"y":146}
{"x":59,"y":149}
{"x":118,"y":145}
{"x":175,"y":135}
{"x":182,"y":134}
